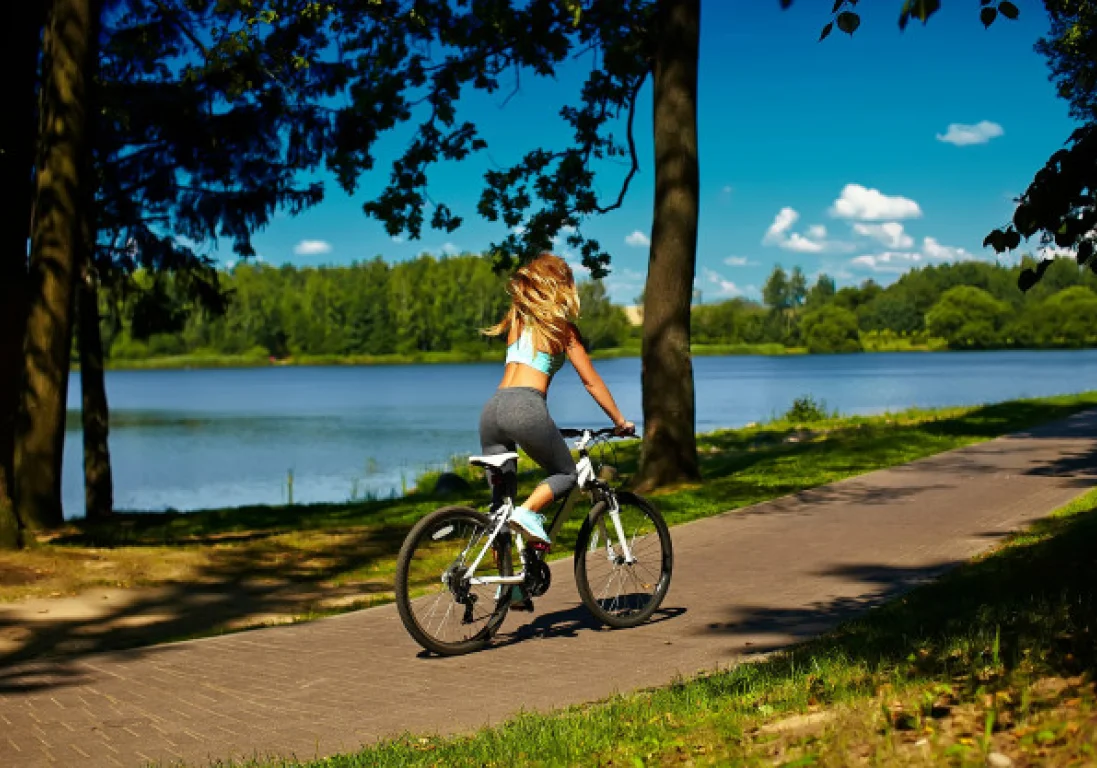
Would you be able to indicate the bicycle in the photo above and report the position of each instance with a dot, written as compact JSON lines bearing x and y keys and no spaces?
{"x":455,"y":568}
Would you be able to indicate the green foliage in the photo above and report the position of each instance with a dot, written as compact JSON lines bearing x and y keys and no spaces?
{"x":418,"y":308}
{"x":602,"y":324}
{"x":1063,"y":320}
{"x":831,"y":329}
{"x":806,"y":409}
{"x":1060,"y":205}
{"x":968,"y":318}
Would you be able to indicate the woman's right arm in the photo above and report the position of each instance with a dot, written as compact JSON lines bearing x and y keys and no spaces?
{"x":597,"y":388}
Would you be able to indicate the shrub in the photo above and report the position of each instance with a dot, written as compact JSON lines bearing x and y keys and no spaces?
{"x":806,"y":409}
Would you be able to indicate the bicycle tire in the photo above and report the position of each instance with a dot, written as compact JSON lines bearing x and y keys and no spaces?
{"x":434,"y":522}
{"x":596,"y":605}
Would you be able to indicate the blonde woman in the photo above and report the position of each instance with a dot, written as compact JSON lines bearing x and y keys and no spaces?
{"x":540,"y":333}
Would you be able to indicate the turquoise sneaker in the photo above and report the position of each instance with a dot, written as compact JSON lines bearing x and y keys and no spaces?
{"x":532,"y":523}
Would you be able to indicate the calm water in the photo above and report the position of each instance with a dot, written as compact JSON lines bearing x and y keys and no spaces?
{"x":213,"y":438}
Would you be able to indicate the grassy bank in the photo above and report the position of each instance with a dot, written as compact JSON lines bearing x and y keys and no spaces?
{"x":267,"y":565}
{"x":992,"y":665}
{"x":180,"y":362}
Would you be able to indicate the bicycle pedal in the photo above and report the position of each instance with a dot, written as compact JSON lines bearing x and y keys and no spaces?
{"x":539,"y":546}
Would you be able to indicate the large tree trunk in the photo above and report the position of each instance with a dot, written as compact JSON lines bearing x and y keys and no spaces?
{"x":669,"y":453}
{"x":19,"y":55}
{"x":55,"y":247}
{"x":98,"y":484}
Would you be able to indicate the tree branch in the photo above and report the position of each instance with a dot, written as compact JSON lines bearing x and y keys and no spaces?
{"x":633,"y":97}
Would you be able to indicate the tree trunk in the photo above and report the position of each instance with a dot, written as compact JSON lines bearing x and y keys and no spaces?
{"x":17,"y":139}
{"x":669,"y":453}
{"x":98,"y":483}
{"x":67,"y":63}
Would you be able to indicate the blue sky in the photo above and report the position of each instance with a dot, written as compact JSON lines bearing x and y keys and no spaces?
{"x":859,"y":157}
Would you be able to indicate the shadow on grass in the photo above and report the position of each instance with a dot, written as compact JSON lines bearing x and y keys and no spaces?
{"x":274,"y":581}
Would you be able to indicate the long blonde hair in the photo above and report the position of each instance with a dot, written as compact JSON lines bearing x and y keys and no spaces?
{"x":544,"y":299}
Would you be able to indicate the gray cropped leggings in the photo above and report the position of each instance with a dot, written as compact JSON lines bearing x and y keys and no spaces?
{"x":519,"y":416}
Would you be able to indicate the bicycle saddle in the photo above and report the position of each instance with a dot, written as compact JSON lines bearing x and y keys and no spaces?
{"x":495,"y":461}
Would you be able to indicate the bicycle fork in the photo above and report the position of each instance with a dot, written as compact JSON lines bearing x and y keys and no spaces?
{"x":615,"y":518}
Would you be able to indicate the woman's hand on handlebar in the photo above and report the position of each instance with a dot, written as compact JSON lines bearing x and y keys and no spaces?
{"x":625,"y":429}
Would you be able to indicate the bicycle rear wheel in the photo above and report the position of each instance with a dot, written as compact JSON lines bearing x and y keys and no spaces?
{"x":438,"y":606}
{"x":622,"y":594}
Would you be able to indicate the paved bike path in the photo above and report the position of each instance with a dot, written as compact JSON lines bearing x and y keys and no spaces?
{"x":745,"y":582}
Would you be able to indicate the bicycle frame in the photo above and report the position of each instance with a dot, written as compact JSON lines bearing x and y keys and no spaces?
{"x":587,"y":483}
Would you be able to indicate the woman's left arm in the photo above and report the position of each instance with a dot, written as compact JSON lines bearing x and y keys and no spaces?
{"x":597,"y":388}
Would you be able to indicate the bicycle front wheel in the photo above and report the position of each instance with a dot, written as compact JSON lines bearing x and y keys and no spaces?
{"x":439,"y":606}
{"x":621,"y":593}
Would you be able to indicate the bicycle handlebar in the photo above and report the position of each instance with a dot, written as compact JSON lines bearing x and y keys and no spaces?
{"x":593,"y":432}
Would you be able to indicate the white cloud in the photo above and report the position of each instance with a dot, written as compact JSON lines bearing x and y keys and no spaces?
{"x":397,"y":239}
{"x":965,"y":135}
{"x":726,"y":189}
{"x":578,"y":268}
{"x":857,"y":202}
{"x":1055,"y":252}
{"x":637,"y":240}
{"x":815,"y":241}
{"x":889,"y":261}
{"x":800,"y":244}
{"x":312,"y":247}
{"x":782,"y":222}
{"x":902,"y":261}
{"x":738,"y":261}
{"x":934,"y":250}
{"x":450,"y":249}
{"x":724,"y":287}
{"x":890,"y":234}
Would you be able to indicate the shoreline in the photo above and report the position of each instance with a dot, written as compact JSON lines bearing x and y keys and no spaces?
{"x":199,"y":362}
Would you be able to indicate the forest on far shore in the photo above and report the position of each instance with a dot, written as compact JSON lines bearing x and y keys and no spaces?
{"x":439,"y":305}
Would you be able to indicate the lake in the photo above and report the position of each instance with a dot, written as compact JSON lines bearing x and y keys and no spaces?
{"x":196,"y":439}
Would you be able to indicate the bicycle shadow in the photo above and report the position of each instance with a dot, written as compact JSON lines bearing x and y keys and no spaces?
{"x":569,"y":622}
{"x":564,"y":623}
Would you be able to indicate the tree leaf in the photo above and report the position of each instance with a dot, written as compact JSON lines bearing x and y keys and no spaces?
{"x":786,"y":4}
{"x":923,"y":9}
{"x":987,"y":16}
{"x":837,"y":4}
{"x":1008,"y":9}
{"x":1012,"y":239}
{"x":1027,"y":279}
{"x":826,"y":31}
{"x":996,"y":240}
{"x":904,"y":19}
{"x":848,"y":21}
{"x":1085,"y":251}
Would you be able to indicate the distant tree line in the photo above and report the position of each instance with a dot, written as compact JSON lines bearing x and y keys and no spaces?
{"x":432,"y":304}
{"x":367,"y":308}
{"x":967,"y":305}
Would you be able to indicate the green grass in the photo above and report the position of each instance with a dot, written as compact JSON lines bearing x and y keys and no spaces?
{"x":997,"y":656}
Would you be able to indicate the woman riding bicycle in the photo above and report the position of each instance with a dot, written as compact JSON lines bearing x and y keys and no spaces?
{"x":540,"y":333}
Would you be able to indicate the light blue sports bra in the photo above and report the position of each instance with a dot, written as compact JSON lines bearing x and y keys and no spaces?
{"x":522,"y":351}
